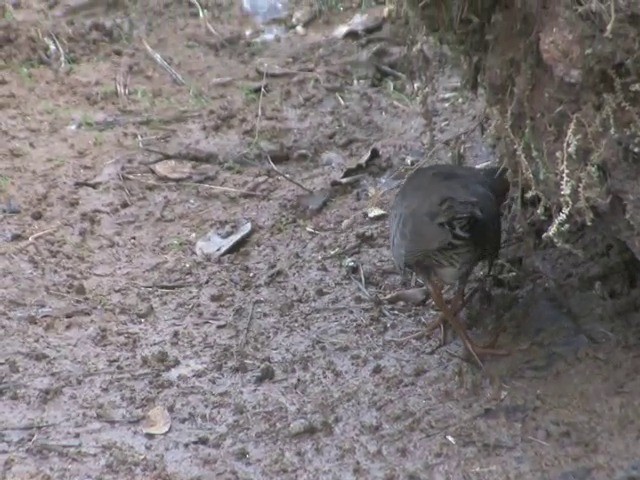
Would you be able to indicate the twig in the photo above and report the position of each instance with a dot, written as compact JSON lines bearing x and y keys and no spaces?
{"x":203,"y":16}
{"x":28,"y":426}
{"x":150,"y":121}
{"x":283,"y":72}
{"x":189,"y":155}
{"x":374,"y":298}
{"x":221,"y":81}
{"x":264,"y":77}
{"x":63,"y":58}
{"x":225,"y":189}
{"x":64,"y":295}
{"x":287,"y":177}
{"x":537,"y":440}
{"x":206,"y":185}
{"x":249,"y":322}
{"x":168,"y":286}
{"x":125,"y":189}
{"x":161,"y":61}
{"x":42,"y":233}
{"x":122,"y":84}
{"x":391,"y":72}
{"x":609,"y":29}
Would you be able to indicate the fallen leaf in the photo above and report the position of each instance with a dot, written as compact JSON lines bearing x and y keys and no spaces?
{"x":110,"y":171}
{"x":214,"y":244}
{"x":157,"y":421}
{"x":172,"y":170}
{"x":314,"y":202}
{"x":414,"y":296}
{"x":374,"y":213}
{"x":353,"y":171}
{"x":361,"y":24}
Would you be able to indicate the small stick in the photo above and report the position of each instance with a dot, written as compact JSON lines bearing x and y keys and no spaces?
{"x":161,"y":61}
{"x":221,"y":81}
{"x":225,"y":189}
{"x":283,"y":72}
{"x":168,"y":286}
{"x":126,"y":190}
{"x":249,"y":322}
{"x":287,"y":177}
{"x":609,"y":29}
{"x":194,"y":184}
{"x":541,"y":442}
{"x":63,"y":58}
{"x":42,"y":233}
{"x":203,"y":16}
{"x":28,"y":426}
{"x":374,"y":298}
{"x":122,"y":84}
{"x":264,"y":77}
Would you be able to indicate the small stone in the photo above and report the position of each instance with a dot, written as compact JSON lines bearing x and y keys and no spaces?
{"x":10,"y":208}
{"x":266,"y":373}
{"x":15,"y":236}
{"x":302,"y":427}
{"x":80,"y":289}
{"x":301,"y":155}
{"x":145,"y":311}
{"x":36,"y":215}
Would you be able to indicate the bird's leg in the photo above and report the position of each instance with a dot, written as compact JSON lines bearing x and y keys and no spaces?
{"x":440,"y":323}
{"x":473,"y":348}
{"x":438,"y":299}
{"x":458,"y":302}
{"x":492,"y":343}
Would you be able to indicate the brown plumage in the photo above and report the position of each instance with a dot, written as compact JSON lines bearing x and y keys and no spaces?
{"x":444,"y":221}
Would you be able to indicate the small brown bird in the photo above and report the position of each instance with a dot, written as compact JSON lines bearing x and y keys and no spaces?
{"x":443,"y":222}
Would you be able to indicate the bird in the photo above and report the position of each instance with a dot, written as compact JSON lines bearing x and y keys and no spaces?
{"x":444,"y":221}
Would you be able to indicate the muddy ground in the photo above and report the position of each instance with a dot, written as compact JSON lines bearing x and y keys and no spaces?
{"x":278,"y":360}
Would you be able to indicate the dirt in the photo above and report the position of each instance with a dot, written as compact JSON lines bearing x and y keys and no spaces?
{"x":280,"y":359}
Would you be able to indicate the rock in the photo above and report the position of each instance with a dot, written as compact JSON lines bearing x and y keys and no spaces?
{"x":265,"y":374}
{"x":304,"y":16}
{"x":580,"y":473}
{"x":302,"y":427}
{"x":631,"y":473}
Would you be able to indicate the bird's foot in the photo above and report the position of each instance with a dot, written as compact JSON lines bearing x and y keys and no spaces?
{"x":487,"y":349}
{"x":494,"y":340}
{"x":408,"y":338}
{"x":428,"y":330}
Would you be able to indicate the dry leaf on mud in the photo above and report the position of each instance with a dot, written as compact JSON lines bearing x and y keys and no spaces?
{"x":172,"y":170}
{"x":361,"y":24}
{"x":375,"y":213}
{"x":157,"y":421}
{"x":351,"y":171}
{"x":314,"y":202}
{"x":304,"y":16}
{"x":217,"y":245}
{"x":414,"y":296}
{"x":110,"y":171}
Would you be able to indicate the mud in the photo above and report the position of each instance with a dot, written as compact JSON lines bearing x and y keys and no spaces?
{"x":279,"y":360}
